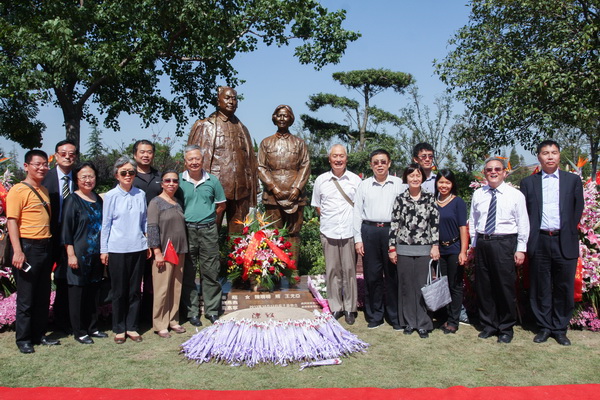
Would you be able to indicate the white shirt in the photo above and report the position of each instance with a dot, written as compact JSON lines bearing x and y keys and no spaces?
{"x":336,"y":212}
{"x":429,"y":183}
{"x":374,"y":202}
{"x":511,"y":214}
{"x":59,"y":175}
{"x":550,"y":198}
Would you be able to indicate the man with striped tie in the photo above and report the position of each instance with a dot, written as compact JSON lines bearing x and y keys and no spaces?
{"x":60,"y":184}
{"x":499,"y":228}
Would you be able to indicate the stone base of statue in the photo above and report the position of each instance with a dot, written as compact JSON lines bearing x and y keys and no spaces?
{"x":284,"y":296}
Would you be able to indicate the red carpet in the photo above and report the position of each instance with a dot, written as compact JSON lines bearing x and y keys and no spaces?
{"x":562,"y":392}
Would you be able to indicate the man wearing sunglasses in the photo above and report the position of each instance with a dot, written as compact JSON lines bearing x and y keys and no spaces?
{"x":555,"y":204}
{"x":499,"y":228}
{"x":423,"y":154}
{"x":60,"y":184}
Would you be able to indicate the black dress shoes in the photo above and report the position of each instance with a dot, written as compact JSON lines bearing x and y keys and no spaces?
{"x":562,"y":339}
{"x":84,"y":339}
{"x":423,"y":334}
{"x":212,"y":318}
{"x":100,"y":335}
{"x":195,"y":321}
{"x":485,"y":334}
{"x":504,"y":338}
{"x":46,"y":341}
{"x":26,"y":348}
{"x":349,"y":317}
{"x":541,"y":337}
{"x":409,"y":330}
{"x":337,"y":314}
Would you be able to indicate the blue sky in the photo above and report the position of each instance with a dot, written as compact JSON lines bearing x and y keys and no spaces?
{"x":398,"y":35}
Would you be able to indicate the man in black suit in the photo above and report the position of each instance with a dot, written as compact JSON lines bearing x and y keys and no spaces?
{"x":60,"y":184}
{"x":554,"y":204}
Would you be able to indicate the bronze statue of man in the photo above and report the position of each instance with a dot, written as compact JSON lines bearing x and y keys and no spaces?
{"x":284,"y":169}
{"x":228,"y":154}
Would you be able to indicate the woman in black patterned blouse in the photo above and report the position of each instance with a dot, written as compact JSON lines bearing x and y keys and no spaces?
{"x":414,"y":241}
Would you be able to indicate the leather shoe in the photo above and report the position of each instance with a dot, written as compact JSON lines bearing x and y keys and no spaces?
{"x":504,"y":338}
{"x":562,"y":339}
{"x":46,"y":341}
{"x":447,"y":329}
{"x":485,"y":334}
{"x":178,"y":329}
{"x":135,"y":338}
{"x":120,"y":339}
{"x":423,"y":334}
{"x":195,"y":321}
{"x":212,"y":318}
{"x":100,"y":335}
{"x":26,"y":348}
{"x":349,"y":317}
{"x":409,"y":330}
{"x":338,"y":314}
{"x":374,"y":325}
{"x":164,"y":335}
{"x":541,"y":337}
{"x":84,"y":339}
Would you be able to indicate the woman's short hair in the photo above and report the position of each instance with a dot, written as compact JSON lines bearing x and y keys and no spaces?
{"x":412,"y":168}
{"x":83,"y":165}
{"x":448,"y":174}
{"x":169,"y":171}
{"x":125,"y":159}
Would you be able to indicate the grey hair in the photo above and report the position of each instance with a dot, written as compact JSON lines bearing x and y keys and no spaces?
{"x":337,"y":145}
{"x":122,"y":161}
{"x":489,"y":159}
{"x":191,"y":147}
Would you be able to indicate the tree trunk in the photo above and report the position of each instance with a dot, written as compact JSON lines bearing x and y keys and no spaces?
{"x":72,"y":113}
{"x":594,"y":142}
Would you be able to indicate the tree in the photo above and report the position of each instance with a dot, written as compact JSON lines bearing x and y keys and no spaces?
{"x":426,"y":128}
{"x":529,"y":67}
{"x":114,"y":53}
{"x":94,"y":143}
{"x":361,"y":119}
{"x":469,"y":140}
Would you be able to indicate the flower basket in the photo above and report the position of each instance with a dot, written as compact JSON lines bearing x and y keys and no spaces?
{"x":261,"y":256}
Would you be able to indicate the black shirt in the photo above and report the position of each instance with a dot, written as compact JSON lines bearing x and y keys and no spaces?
{"x":148,"y":183}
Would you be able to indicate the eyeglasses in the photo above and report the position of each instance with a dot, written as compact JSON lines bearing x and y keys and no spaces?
{"x":495,"y":169}
{"x":379,"y":162}
{"x":87,"y":178}
{"x":130,"y":172}
{"x":167,"y":180}
{"x":426,"y":156}
{"x":64,"y":154}
{"x":39,"y":165}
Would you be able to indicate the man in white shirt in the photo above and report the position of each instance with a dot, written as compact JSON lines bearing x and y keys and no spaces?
{"x":555,"y":204}
{"x":333,"y":197}
{"x":499,"y":228}
{"x":373,"y":205}
{"x":423,"y":154}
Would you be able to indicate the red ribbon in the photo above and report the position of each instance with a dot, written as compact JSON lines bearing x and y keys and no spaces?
{"x":251,"y":251}
{"x":578,"y":295}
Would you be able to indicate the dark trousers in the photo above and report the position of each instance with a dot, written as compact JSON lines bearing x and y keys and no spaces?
{"x":450,"y":267}
{"x":495,"y":283}
{"x":33,"y":291}
{"x":412,"y":276}
{"x":204,"y":254}
{"x":552,"y":281}
{"x":381,"y":281}
{"x":61,"y":294}
{"x":83,"y":308}
{"x":126,"y":271}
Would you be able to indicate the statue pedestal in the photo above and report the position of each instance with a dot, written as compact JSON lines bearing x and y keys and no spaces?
{"x":299,"y":297}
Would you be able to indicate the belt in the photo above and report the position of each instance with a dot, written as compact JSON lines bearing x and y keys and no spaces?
{"x":197,"y":225}
{"x":449,"y":242}
{"x":36,"y":241}
{"x":377,"y":224}
{"x":483,"y":236}
{"x":550,"y":233}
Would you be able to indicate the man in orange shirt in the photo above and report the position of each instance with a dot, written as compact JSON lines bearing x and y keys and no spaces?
{"x":28,"y":213}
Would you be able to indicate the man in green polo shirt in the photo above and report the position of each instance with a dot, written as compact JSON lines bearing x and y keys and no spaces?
{"x":204,"y":203}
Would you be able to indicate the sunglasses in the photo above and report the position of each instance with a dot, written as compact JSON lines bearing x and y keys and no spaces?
{"x":130,"y":172}
{"x":167,"y":180}
{"x":495,"y":169}
{"x":426,"y":156}
{"x":379,"y":162}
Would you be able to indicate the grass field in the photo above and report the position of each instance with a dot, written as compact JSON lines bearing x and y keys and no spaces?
{"x":392,"y":360}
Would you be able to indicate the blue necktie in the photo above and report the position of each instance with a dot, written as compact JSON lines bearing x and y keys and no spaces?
{"x":490,"y":223}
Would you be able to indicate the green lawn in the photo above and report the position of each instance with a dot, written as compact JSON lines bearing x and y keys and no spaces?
{"x":392,"y":360}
